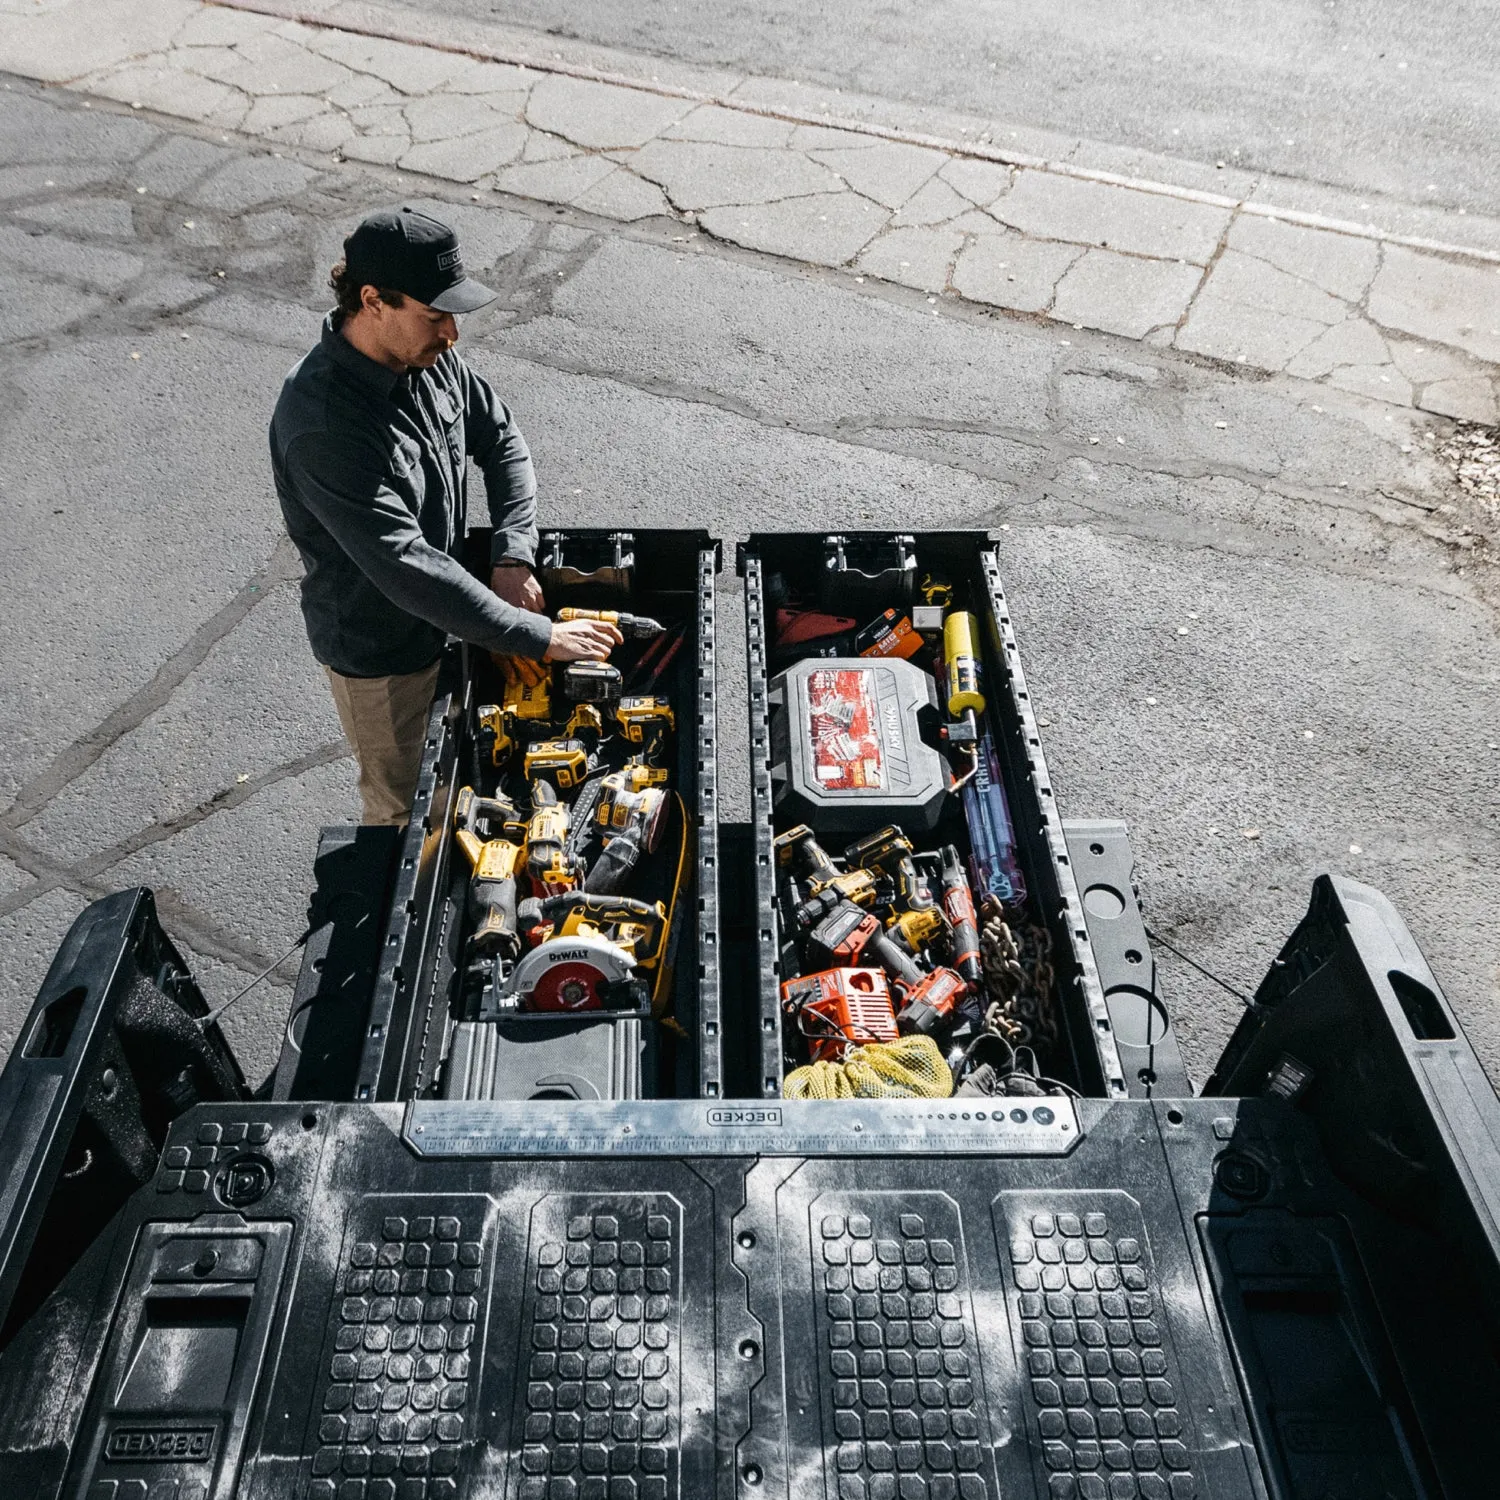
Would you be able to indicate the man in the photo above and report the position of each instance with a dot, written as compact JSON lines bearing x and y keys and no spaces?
{"x":369,"y":445}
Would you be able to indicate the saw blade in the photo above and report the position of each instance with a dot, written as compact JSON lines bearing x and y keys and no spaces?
{"x":569,"y":974}
{"x":567,"y":986}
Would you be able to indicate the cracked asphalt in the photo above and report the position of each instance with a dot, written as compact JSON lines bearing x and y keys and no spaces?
{"x":1375,"y":97}
{"x":1248,"y":605}
{"x":1399,"y":300}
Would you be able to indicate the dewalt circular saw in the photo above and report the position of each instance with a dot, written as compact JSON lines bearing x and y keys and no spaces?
{"x":578,"y":974}
{"x":594,"y":953}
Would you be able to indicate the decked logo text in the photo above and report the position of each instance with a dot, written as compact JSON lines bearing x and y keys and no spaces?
{"x":744,"y":1117}
{"x":160,"y":1445}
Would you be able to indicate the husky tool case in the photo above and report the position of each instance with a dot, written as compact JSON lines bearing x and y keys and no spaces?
{"x":462,"y":1248}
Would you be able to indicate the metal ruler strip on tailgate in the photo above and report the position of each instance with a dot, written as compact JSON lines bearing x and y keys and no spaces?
{"x":688,"y":1127}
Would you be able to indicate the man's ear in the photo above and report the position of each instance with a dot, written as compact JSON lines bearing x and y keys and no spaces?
{"x":369,"y":299}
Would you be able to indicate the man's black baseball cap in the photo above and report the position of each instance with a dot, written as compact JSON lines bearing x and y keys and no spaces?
{"x":401,"y":250}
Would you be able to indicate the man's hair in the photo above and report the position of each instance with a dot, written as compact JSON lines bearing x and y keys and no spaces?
{"x":346,"y":291}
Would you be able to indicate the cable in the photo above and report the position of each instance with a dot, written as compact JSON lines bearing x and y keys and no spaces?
{"x":1035,"y":1072}
{"x":965,"y":1064}
{"x":1239,"y":995}
{"x":212,"y":1017}
{"x":1015,"y":1069}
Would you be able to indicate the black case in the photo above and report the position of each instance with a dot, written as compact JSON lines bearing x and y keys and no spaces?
{"x":970,"y":561}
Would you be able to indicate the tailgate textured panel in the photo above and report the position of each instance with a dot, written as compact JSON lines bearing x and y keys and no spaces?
{"x":406,"y":1304}
{"x":600,"y":1406}
{"x":639,"y":1327}
{"x":901,"y":1410}
{"x":1102,"y":1383}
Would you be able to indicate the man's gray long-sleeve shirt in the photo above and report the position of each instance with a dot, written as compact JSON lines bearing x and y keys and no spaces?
{"x":370,"y":470}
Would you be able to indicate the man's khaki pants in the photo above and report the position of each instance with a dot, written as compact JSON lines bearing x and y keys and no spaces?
{"x":385,"y":720}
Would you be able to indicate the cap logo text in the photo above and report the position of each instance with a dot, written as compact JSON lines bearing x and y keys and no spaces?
{"x":450,"y":260}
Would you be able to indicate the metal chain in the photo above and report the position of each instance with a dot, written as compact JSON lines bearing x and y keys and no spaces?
{"x":1018,"y":978}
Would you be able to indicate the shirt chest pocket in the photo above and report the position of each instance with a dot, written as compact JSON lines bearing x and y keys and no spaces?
{"x":406,"y":458}
{"x":450,"y":423}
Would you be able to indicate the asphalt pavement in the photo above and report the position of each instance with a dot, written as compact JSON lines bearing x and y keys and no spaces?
{"x":1250,"y":626}
{"x":1387,"y":98}
{"x":1396,"y":300}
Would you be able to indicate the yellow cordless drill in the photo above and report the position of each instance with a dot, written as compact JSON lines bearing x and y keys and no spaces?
{"x":632,"y":627}
{"x":811,"y":862}
{"x":647,"y":722}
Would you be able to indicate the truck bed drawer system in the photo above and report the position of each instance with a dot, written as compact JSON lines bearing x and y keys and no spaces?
{"x":591,"y":1225}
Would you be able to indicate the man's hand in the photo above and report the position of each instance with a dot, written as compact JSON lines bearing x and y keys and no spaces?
{"x":518,"y":586}
{"x":582,"y":640}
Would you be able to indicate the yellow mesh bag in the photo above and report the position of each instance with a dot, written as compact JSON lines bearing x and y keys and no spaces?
{"x":911,"y":1068}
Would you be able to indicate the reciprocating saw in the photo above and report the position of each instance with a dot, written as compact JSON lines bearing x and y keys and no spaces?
{"x":494,"y":862}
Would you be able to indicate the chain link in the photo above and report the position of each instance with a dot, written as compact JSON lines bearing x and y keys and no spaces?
{"x":1018,"y":978}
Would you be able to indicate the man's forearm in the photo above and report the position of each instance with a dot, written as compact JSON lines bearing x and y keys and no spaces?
{"x":437,"y":588}
{"x":513,"y":518}
{"x":377,"y":530}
